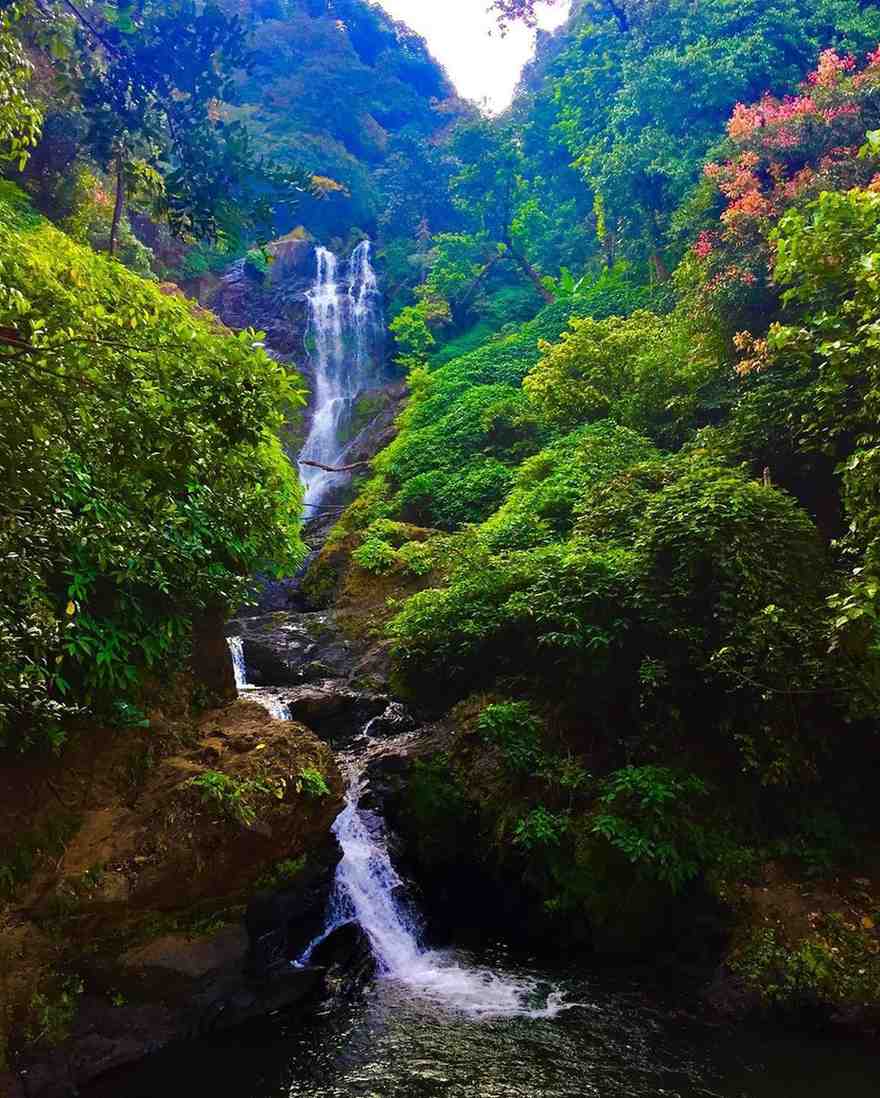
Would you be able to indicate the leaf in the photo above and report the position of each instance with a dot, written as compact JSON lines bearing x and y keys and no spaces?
{"x":71,"y":608}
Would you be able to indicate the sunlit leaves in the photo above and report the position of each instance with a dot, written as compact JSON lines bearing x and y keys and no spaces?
{"x":145,"y":480}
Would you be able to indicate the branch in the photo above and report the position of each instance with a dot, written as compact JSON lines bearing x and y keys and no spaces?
{"x":92,"y":29}
{"x":332,"y":468}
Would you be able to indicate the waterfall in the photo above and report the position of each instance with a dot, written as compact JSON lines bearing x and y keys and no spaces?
{"x":236,"y":650}
{"x":346,"y":328}
{"x":369,"y":891}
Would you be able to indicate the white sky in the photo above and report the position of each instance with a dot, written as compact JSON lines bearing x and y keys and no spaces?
{"x":464,"y":37}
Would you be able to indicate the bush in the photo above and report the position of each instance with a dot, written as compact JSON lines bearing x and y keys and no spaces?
{"x":513,"y":727}
{"x":144,"y":485}
{"x":655,"y":817}
{"x":550,"y":486}
{"x":554,"y":611}
{"x":644,"y":372}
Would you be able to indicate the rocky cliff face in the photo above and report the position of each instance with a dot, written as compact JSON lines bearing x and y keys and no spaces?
{"x":170,"y":868}
{"x":272,"y":301}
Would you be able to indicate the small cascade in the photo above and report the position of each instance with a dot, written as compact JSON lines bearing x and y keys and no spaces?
{"x":278,"y":708}
{"x":236,"y":650}
{"x":369,"y":891}
{"x":346,"y":329}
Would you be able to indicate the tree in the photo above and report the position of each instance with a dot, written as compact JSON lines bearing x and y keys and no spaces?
{"x":645,"y":88}
{"x":490,"y":190}
{"x":20,"y":117}
{"x":152,"y":79}
{"x":146,"y":483}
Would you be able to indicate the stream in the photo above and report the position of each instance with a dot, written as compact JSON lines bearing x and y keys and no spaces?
{"x":388,"y":1044}
{"x":484,"y":1023}
{"x":488,"y":1023}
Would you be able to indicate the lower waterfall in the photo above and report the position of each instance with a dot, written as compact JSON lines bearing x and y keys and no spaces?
{"x":369,"y":891}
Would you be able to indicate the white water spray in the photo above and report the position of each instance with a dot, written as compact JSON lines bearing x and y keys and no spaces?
{"x":236,"y":650}
{"x":346,"y":326}
{"x":369,"y":891}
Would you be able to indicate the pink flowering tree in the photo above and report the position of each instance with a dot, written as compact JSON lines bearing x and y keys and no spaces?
{"x":784,"y":152}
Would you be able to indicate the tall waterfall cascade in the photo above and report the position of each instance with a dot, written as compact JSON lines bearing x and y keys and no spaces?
{"x":346,"y":331}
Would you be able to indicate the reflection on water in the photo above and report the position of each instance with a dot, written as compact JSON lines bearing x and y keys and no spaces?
{"x":619,"y":1042}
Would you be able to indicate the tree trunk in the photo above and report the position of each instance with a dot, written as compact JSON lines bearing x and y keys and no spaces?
{"x":119,"y":204}
{"x":211,"y":661}
{"x":477,"y":282}
{"x":530,"y":273}
{"x":661,"y":271}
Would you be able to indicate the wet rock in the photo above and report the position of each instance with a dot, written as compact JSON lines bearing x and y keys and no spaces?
{"x":282,"y":923}
{"x":10,"y":1086}
{"x":347,"y":959}
{"x":185,"y":989}
{"x":394,"y":720}
{"x":289,"y":648}
{"x":211,"y":661}
{"x":334,"y":711}
{"x":274,"y":303}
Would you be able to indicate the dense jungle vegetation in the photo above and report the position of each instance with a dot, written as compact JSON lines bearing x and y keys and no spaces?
{"x":629,"y":529}
{"x":634,"y":490}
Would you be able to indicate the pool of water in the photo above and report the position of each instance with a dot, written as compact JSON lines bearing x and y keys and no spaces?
{"x":618,"y":1036}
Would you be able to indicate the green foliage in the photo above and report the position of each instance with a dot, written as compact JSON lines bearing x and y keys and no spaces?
{"x":234,"y":797}
{"x":549,"y":488}
{"x":281,"y":875}
{"x":153,"y":120}
{"x":88,"y":221}
{"x":553,"y":611}
{"x":830,"y":350}
{"x":836,"y":965}
{"x":312,"y":783}
{"x":413,"y":336}
{"x":513,"y":727}
{"x":653,"y":816}
{"x":642,"y":97}
{"x":31,"y":849}
{"x":53,"y":1010}
{"x":386,"y":548}
{"x":540,"y":829}
{"x":21,"y":119}
{"x":644,"y":371}
{"x":145,"y":483}
{"x":306,"y":60}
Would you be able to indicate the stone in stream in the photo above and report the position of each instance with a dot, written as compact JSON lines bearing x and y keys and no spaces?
{"x":288,"y":648}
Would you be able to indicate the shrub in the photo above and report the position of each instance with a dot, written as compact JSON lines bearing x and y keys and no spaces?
{"x":513,"y":727}
{"x":654,"y":816}
{"x":554,"y":611}
{"x":233,"y":796}
{"x":644,"y":371}
{"x":550,"y":486}
{"x":312,"y":782}
{"x":144,"y":485}
{"x":540,"y":829}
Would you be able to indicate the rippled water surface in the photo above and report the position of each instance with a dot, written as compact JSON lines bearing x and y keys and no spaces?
{"x":619,"y":1042}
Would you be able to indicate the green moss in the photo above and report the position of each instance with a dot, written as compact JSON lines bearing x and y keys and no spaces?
{"x":281,"y":874}
{"x":836,"y":965}
{"x":32,"y":848}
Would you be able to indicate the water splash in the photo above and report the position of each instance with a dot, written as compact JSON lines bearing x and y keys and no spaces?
{"x":369,"y":891}
{"x":278,"y":708}
{"x":346,"y":327}
{"x":236,"y":650}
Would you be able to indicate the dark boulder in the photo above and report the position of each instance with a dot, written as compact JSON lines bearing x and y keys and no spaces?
{"x":288,"y":648}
